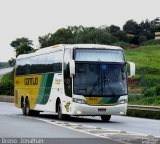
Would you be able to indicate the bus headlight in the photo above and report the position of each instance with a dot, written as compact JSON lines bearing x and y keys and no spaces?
{"x":80,"y":101}
{"x":122,"y":101}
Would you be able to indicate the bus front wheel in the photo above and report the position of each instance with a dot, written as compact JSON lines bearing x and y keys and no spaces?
{"x":106,"y":118}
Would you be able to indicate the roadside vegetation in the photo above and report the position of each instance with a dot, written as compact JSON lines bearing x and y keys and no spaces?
{"x":7,"y":84}
{"x":4,"y":65}
{"x":145,"y":87}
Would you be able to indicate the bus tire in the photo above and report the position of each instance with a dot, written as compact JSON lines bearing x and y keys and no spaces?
{"x":105,"y":118}
{"x":27,"y":107}
{"x":34,"y":113}
{"x":23,"y":107}
{"x":59,"y":111}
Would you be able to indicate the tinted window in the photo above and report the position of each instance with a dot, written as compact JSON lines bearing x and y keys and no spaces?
{"x":103,"y":55}
{"x":100,"y":79}
{"x":51,"y":62}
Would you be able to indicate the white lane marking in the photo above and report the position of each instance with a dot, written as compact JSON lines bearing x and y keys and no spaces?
{"x":59,"y":123}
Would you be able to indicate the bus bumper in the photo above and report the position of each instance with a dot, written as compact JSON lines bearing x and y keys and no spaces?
{"x":87,"y":110}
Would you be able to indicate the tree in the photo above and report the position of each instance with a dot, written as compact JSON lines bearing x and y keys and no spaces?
{"x":80,"y":34}
{"x":45,"y":40}
{"x":63,"y":36}
{"x":157,"y":24}
{"x":22,"y":46}
{"x":12,"y":62}
{"x":114,"y":29}
{"x":148,"y":28}
{"x":77,"y":34}
{"x":117,"y":33}
{"x":131,"y":27}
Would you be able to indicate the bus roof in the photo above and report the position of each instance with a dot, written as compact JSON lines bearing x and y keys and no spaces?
{"x":71,"y":46}
{"x":92,"y":46}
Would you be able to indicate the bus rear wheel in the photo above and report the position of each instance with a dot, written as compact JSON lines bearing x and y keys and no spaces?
{"x":27,"y":107}
{"x":30,"y":112}
{"x":106,"y":118}
{"x":23,"y":107}
{"x":60,"y":115}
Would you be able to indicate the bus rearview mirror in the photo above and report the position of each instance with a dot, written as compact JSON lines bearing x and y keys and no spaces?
{"x":132,"y":69}
{"x":72,"y":67}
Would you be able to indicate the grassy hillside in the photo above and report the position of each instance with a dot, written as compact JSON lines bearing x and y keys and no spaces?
{"x":147,"y":60}
{"x":147,"y":80}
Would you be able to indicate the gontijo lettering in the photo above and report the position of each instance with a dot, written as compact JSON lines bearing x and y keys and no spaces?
{"x":31,"y":81}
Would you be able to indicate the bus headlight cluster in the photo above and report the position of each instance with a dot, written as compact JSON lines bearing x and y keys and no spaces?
{"x":122,"y":101}
{"x":80,"y":101}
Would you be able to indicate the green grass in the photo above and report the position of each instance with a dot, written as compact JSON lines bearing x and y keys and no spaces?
{"x":147,"y":60}
{"x":152,"y":42}
{"x":143,"y":114}
{"x":141,"y":100}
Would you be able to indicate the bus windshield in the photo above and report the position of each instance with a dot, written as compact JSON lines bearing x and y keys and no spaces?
{"x":99,"y":55}
{"x":100,"y":79}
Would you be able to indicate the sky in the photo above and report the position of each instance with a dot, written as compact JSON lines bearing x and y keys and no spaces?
{"x":34,"y":18}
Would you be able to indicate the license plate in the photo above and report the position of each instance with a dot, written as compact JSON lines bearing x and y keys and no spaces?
{"x":102,"y":109}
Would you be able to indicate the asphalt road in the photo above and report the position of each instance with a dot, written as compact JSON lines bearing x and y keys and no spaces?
{"x":92,"y":130}
{"x":14,"y":128}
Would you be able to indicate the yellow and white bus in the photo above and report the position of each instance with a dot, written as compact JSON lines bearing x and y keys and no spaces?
{"x":73,"y":79}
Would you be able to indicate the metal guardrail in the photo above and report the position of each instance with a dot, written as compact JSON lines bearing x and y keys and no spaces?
{"x":145,"y":108}
{"x":6,"y":98}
